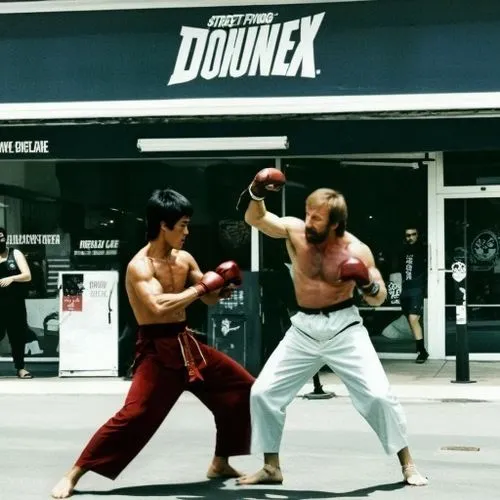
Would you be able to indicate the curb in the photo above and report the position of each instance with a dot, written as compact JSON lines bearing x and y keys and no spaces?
{"x":418,"y":392}
{"x":13,"y":386}
{"x":449,"y":393}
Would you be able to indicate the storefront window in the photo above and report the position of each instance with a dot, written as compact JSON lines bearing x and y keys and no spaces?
{"x":382,"y":201}
{"x":472,"y":229}
{"x":471,"y":169}
{"x":90,"y":216}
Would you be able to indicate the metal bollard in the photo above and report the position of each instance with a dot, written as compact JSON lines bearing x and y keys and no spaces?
{"x":459,"y":274}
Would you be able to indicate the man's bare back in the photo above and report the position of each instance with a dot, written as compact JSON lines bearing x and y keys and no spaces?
{"x":316,"y":267}
{"x":157,"y":276}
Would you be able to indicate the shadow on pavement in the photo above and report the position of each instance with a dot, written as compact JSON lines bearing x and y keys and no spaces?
{"x":215,"y":490}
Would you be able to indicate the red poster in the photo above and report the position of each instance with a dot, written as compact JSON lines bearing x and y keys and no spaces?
{"x":72,"y":303}
{"x":72,"y":286}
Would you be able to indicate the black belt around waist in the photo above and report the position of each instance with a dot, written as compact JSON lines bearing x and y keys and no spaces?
{"x":327,"y":310}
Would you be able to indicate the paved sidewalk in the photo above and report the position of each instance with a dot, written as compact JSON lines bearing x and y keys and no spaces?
{"x":430,"y":381}
{"x":329,"y":452}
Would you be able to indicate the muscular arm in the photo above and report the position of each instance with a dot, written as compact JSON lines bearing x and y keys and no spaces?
{"x":363,"y":253}
{"x":267,"y":222}
{"x":25,"y":274}
{"x":195,"y":276}
{"x":150,"y":293}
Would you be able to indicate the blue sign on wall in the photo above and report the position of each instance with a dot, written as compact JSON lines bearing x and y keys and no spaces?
{"x":355,"y":48}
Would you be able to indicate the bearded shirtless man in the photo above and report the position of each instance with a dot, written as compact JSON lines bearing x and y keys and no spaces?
{"x":328,"y":263}
{"x":168,"y":358}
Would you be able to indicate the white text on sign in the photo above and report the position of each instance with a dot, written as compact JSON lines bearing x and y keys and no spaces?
{"x":24,"y":147}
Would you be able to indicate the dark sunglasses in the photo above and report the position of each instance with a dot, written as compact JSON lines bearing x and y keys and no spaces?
{"x":409,"y":235}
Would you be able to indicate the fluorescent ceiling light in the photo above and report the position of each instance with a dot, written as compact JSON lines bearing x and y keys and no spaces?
{"x":383,"y":156}
{"x":414,"y":165}
{"x":212,"y":144}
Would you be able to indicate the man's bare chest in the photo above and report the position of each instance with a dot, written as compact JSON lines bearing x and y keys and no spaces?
{"x":172,"y":277}
{"x":324,"y":265}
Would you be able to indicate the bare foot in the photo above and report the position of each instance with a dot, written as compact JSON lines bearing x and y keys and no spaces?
{"x":267,"y":475}
{"x":222,"y":471}
{"x":413,"y":477}
{"x":64,"y":488}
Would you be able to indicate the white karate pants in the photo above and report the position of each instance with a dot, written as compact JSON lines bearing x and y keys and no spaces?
{"x":315,"y":340}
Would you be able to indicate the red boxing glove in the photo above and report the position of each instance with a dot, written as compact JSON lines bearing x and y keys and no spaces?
{"x":231,"y":273}
{"x":355,"y":270}
{"x":209,"y":283}
{"x":268,"y":179}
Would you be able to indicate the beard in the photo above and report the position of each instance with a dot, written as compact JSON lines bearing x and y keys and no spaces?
{"x":316,"y":238}
{"x":3,"y":247}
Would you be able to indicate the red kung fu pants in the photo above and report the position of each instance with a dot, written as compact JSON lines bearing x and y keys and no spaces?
{"x":169,"y":361}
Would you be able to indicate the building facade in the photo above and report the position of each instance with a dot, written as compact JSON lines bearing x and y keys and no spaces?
{"x":394,"y":103}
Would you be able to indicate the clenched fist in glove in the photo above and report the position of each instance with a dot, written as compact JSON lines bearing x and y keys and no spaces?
{"x":231,"y":273}
{"x":210,"y":282}
{"x":355,"y":270}
{"x":268,"y":179}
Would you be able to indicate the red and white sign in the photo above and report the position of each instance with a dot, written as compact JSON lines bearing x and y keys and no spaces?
{"x":88,"y":318}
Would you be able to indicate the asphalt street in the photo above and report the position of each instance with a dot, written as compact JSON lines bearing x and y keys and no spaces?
{"x":328,"y":452}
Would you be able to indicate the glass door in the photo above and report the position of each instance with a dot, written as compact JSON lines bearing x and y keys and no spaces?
{"x":472,"y":235}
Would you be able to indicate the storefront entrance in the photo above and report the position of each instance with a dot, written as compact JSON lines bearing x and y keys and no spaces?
{"x":453,"y":200}
{"x":471,"y":236}
{"x":468,"y":230}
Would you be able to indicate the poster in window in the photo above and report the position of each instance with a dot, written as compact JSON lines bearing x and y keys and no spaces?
{"x":72,"y":288}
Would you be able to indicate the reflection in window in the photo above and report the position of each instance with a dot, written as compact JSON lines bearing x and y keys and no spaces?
{"x":472,"y":236}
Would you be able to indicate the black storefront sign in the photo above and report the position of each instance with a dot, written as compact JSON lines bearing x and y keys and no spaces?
{"x":306,"y":137}
{"x":351,"y":48}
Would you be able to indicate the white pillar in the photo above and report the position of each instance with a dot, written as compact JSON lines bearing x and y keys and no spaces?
{"x":435,"y":321}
